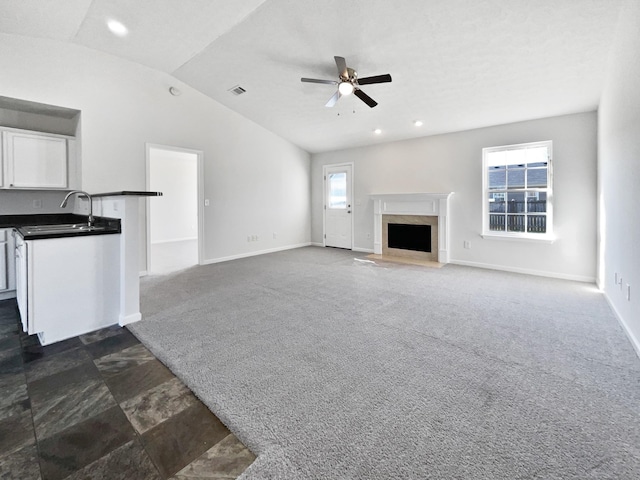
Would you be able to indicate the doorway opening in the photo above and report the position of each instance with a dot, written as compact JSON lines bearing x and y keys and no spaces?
{"x":174,"y":220}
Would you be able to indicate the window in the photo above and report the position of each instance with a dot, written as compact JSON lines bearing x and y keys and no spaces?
{"x":517,"y":186}
{"x":338,"y":190}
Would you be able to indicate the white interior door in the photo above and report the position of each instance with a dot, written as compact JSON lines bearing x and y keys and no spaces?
{"x":338,"y":200}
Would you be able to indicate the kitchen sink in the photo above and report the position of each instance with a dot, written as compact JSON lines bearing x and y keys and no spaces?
{"x":61,"y":228}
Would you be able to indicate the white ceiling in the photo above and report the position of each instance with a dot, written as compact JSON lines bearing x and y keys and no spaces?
{"x":456,"y":64}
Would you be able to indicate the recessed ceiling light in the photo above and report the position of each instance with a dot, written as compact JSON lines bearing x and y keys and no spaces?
{"x":377,"y":131}
{"x":417,"y":123}
{"x":117,"y":28}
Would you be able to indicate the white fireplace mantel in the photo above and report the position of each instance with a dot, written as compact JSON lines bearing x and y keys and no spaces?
{"x":429,"y":204}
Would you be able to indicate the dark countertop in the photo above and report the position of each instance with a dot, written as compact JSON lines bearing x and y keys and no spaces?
{"x":130,"y":193}
{"x":111,"y":225}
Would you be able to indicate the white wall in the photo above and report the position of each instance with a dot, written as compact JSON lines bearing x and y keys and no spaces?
{"x":257,"y":182}
{"x":619,"y":174}
{"x":453,"y":163}
{"x":174,"y":215}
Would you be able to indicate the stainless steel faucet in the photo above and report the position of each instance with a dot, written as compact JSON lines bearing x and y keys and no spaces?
{"x":80,"y":193}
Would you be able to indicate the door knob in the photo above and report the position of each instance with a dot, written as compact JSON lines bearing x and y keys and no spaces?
{"x":348,"y":211}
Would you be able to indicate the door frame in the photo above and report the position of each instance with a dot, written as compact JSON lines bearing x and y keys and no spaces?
{"x":200,"y":172}
{"x":324,"y":199}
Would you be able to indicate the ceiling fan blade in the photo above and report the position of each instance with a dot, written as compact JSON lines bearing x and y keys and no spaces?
{"x":375,"y":79}
{"x":365,"y":98}
{"x":315,"y":80}
{"x":332,"y":101}
{"x":341,"y":63}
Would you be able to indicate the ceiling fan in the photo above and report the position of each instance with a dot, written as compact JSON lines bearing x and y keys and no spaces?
{"x":348,"y":83}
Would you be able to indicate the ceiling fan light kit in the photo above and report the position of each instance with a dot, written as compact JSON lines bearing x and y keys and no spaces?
{"x":349,"y":83}
{"x":345,"y":88}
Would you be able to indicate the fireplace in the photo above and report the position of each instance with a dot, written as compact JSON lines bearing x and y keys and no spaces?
{"x":412,"y":236}
{"x":416,"y":214}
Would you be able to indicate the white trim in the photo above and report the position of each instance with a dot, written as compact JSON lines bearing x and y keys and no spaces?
{"x":324,"y":200}
{"x":134,"y":317}
{"x":7,"y":295}
{"x":317,"y":244}
{"x":363,"y":250}
{"x":143,"y":273}
{"x":635,"y":342}
{"x":520,"y":238}
{"x":200,"y":167}
{"x":254,"y":254}
{"x":526,"y":271}
{"x":174,"y":240}
{"x":37,"y":132}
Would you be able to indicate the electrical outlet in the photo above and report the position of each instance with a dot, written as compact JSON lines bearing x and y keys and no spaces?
{"x":467,"y":244}
{"x":206,"y":202}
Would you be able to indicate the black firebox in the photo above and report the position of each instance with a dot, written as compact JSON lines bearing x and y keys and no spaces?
{"x":409,"y":237}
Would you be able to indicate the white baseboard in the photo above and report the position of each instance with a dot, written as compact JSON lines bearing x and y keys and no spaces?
{"x":174,"y":240}
{"x":143,"y":273}
{"x":253,"y":254}
{"x":316,"y":244}
{"x":363,"y":250}
{"x":126,"y":320}
{"x":634,"y":341}
{"x":527,"y":271}
{"x":8,"y":295}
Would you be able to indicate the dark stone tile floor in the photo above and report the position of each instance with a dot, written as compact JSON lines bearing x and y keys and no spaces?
{"x":101,"y":406}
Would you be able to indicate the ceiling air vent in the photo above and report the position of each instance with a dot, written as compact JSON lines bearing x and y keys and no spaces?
{"x":237,"y":90}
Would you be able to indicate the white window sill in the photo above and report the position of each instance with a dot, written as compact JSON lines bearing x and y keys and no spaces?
{"x":520,"y":237}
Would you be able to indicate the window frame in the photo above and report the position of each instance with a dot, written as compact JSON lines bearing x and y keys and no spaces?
{"x":548,"y":236}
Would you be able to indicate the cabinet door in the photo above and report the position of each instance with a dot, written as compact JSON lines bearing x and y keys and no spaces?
{"x":4,"y":264}
{"x":3,"y":158}
{"x":7,"y":263}
{"x":35,"y":161}
{"x":22,"y":282}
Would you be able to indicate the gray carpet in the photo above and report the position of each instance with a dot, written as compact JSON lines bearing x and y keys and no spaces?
{"x":331,"y":367}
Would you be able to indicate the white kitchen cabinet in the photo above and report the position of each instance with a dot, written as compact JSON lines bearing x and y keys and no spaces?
{"x":68,"y":286}
{"x":7,"y":270}
{"x":34,"y":160}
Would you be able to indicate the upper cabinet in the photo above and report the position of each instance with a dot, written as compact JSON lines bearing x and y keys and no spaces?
{"x":36,"y":160}
{"x":40,"y":146}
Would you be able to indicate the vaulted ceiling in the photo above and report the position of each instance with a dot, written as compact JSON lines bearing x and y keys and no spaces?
{"x":456,"y":64}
